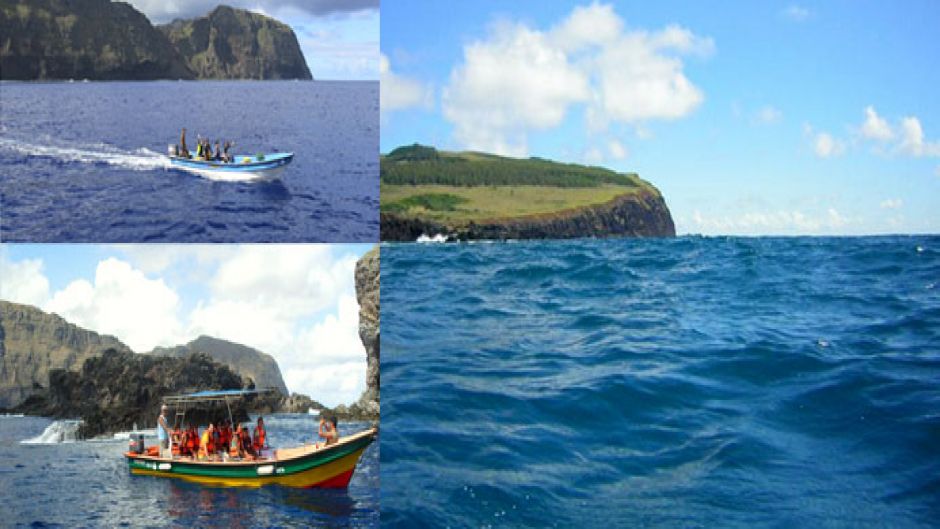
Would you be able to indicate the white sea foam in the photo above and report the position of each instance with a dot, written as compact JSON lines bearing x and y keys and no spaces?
{"x":141,"y":159}
{"x":440,"y":237}
{"x":64,"y":431}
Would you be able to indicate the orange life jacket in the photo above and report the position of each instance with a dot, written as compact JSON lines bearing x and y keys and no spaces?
{"x":259,"y":438}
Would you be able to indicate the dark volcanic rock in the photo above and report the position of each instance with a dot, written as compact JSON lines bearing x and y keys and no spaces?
{"x":116,"y":390}
{"x":78,"y":39}
{"x":298,"y":403}
{"x":237,"y":44}
{"x":35,"y":342}
{"x":260,"y":367}
{"x":642,"y":214}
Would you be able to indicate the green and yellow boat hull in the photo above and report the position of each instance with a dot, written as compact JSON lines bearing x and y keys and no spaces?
{"x":303,"y":467}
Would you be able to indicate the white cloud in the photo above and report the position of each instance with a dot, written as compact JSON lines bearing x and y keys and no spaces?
{"x":23,"y":281}
{"x":398,"y":92}
{"x":774,"y":222}
{"x":160,"y":11}
{"x":891,"y":203}
{"x":122,"y":301}
{"x":912,"y":139}
{"x":875,"y":127}
{"x":515,"y":81}
{"x":520,"y":79}
{"x":617,"y":150}
{"x":825,"y":146}
{"x":768,"y":115}
{"x":796,"y":13}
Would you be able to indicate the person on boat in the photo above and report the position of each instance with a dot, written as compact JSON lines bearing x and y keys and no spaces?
{"x":235,"y":444}
{"x":192,"y":441}
{"x":259,"y":437}
{"x":217,"y":153}
{"x":183,"y":151}
{"x":244,"y":443}
{"x":217,"y":441}
{"x":328,"y":429}
{"x":225,"y":437}
{"x":226,"y":157}
{"x":207,"y":443}
{"x":163,"y":432}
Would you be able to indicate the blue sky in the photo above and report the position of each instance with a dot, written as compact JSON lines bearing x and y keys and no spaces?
{"x":294,"y":302}
{"x":756,"y":118}
{"x":339,"y":38}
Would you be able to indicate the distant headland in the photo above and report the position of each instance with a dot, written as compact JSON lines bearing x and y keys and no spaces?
{"x":472,"y":195}
{"x":105,"y":40}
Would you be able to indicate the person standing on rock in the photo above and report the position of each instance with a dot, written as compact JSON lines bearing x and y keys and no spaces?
{"x":163,"y":432}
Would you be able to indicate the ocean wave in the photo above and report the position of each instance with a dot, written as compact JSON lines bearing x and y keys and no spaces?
{"x":141,"y":159}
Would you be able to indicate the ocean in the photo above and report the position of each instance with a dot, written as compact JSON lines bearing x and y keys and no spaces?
{"x":687,"y":382}
{"x":84,"y":161}
{"x":87,"y":484}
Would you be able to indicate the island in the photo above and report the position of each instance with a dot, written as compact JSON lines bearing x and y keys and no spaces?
{"x":474,"y":195}
{"x":105,"y":40}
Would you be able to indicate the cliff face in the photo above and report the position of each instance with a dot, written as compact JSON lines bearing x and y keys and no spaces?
{"x":367,"y":294}
{"x":236,"y":44}
{"x":78,"y":39}
{"x":34,"y":343}
{"x":116,"y":390}
{"x":105,"y":40}
{"x":260,"y":367}
{"x":642,"y":214}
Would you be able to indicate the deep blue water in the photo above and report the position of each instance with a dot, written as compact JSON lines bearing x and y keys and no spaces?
{"x":690,"y":382}
{"x":82,"y":162}
{"x":87,"y":484}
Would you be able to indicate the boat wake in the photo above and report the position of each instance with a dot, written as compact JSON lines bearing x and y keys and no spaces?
{"x":142,"y":159}
{"x":64,"y":431}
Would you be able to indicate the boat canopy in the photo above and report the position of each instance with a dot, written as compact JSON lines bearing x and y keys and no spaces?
{"x":214,"y":396}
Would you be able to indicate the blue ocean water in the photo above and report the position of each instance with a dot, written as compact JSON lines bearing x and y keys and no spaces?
{"x":87,"y":484}
{"x":689,"y":382}
{"x":83,"y":162}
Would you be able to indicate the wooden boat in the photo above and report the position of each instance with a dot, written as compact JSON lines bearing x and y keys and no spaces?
{"x":303,"y":466}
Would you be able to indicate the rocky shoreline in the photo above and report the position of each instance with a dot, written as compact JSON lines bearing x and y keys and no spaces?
{"x":642,"y":214}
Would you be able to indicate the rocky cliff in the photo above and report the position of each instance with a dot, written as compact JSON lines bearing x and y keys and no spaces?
{"x":367,"y":293}
{"x":641,"y":214}
{"x":105,"y":40}
{"x":119,"y":389}
{"x":35,"y":343}
{"x":78,"y":39}
{"x":260,"y":367}
{"x":237,"y":44}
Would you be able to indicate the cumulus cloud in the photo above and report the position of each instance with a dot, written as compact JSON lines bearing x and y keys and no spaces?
{"x":826,"y":146}
{"x":891,"y":203}
{"x":616,"y":150}
{"x":875,"y":127}
{"x":23,"y":281}
{"x":124,"y":302}
{"x":520,"y":79}
{"x":912,"y":139}
{"x":398,"y":92}
{"x":165,"y":10}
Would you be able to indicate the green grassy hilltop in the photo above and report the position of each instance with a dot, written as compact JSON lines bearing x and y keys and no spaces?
{"x":460,"y":187}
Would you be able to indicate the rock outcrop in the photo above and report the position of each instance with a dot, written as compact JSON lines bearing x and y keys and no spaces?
{"x":640,"y":214}
{"x":35,"y":343}
{"x":233,"y":43}
{"x":119,"y":389}
{"x":367,"y":294}
{"x":250,"y":363}
{"x":105,"y":40}
{"x":83,"y":39}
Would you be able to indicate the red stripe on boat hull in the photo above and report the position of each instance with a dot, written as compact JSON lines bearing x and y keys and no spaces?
{"x":339,"y":481}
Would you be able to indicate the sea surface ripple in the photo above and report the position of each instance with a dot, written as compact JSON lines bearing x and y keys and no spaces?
{"x":689,"y":382}
{"x":83,"y":162}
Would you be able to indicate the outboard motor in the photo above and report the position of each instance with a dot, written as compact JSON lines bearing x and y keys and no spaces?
{"x":173,"y":150}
